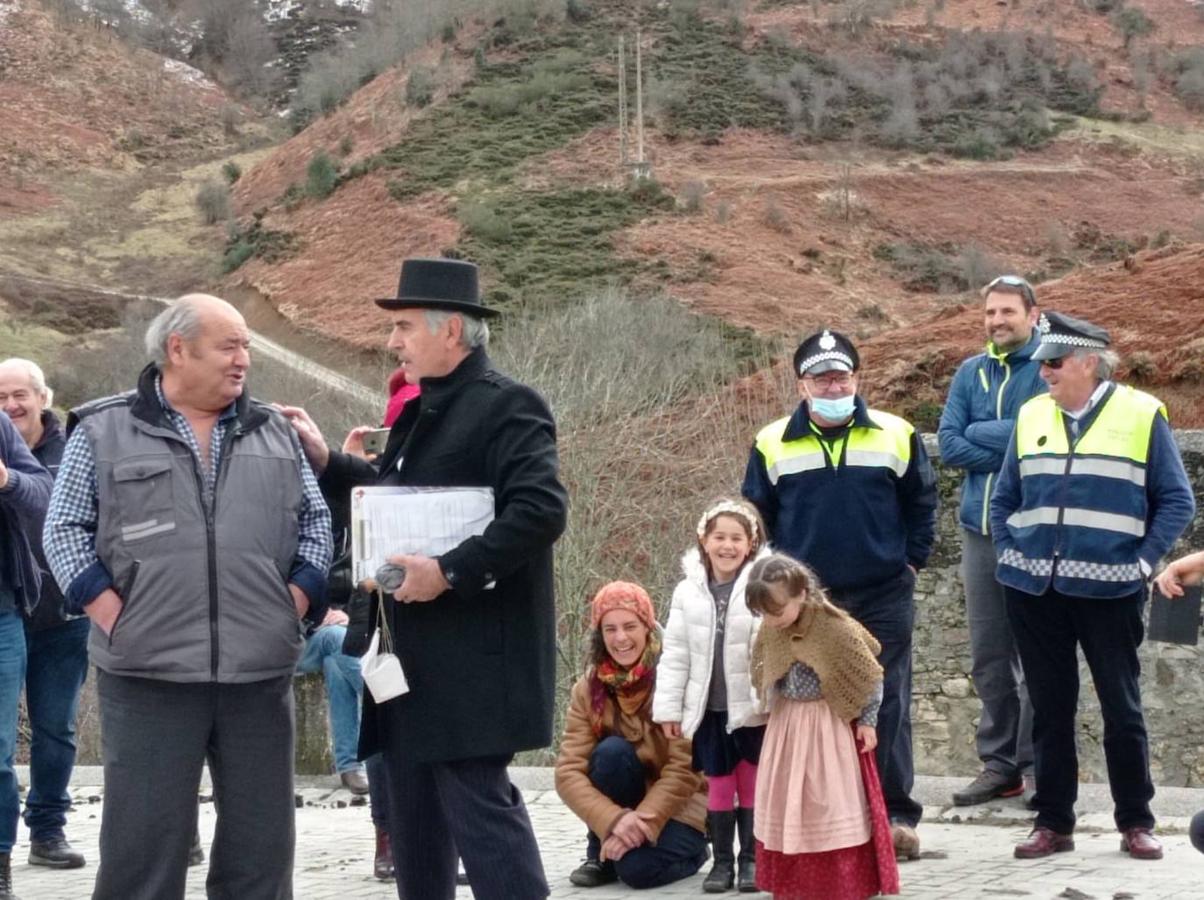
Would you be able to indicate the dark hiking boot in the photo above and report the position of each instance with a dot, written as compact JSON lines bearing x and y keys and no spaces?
{"x":988,"y":785}
{"x":55,"y":853}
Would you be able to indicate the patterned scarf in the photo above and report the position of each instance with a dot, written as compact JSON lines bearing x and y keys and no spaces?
{"x":630,"y":688}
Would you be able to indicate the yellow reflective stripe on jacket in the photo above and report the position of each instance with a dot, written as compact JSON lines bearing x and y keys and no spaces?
{"x":888,"y":446}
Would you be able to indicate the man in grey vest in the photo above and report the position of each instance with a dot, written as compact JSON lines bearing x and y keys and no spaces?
{"x":188,"y":526}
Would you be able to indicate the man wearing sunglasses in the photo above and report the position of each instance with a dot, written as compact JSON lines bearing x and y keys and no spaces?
{"x":849,"y":490}
{"x":1091,"y":495}
{"x":980,"y":413}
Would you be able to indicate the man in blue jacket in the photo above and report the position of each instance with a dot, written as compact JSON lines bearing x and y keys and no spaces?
{"x":24,"y":494}
{"x":1092,"y":494}
{"x":980,"y":412}
{"x":849,"y":491}
{"x":56,"y":641}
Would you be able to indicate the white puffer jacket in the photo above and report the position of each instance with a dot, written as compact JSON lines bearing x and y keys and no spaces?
{"x":683,"y":675}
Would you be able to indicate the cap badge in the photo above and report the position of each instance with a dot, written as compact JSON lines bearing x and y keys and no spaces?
{"x":1044,"y":324}
{"x":827,"y":342}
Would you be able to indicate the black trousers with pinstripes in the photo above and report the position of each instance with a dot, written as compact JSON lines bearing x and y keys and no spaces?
{"x":467,"y":806}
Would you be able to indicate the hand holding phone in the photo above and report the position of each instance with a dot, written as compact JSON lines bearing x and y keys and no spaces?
{"x":375,"y":440}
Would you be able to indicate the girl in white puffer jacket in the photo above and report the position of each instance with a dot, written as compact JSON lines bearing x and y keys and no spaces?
{"x":703,"y":687}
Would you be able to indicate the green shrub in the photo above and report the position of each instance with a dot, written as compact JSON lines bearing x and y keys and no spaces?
{"x":236,"y":254}
{"x":483,"y":222}
{"x":213,"y":201}
{"x":577,"y":11}
{"x":420,"y":86}
{"x":1132,"y":23}
{"x":321,"y":176}
{"x":231,"y":171}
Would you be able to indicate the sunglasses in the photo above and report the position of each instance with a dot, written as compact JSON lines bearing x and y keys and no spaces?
{"x":1017,"y":282}
{"x":1053,"y":363}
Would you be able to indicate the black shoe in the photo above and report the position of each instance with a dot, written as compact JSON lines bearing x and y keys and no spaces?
{"x":590,"y":873}
{"x":54,"y":853}
{"x":722,"y":828}
{"x":746,"y":862}
{"x":196,"y":853}
{"x":6,"y":878}
{"x":987,"y":785}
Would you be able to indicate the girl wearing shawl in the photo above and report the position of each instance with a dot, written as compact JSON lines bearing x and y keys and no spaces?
{"x":634,"y":788}
{"x":821,"y":824}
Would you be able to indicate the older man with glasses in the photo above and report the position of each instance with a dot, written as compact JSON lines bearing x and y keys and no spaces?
{"x":849,"y":490}
{"x":1091,"y":495}
{"x":980,"y":413}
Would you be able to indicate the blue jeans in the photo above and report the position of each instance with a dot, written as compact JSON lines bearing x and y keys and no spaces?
{"x":344,"y":688}
{"x":679,"y":852}
{"x":12,"y":674}
{"x":56,"y":668}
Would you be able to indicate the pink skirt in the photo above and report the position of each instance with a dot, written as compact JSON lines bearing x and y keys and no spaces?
{"x":820,"y":821}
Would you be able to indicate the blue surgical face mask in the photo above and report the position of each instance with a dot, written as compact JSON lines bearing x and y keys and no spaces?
{"x":834,"y":410}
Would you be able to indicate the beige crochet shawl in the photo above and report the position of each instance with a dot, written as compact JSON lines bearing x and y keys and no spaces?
{"x":831,"y":642}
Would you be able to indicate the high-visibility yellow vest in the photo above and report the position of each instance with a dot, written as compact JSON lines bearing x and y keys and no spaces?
{"x":1083,"y":509}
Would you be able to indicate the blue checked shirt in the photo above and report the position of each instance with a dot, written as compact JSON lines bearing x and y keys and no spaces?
{"x":71,"y":521}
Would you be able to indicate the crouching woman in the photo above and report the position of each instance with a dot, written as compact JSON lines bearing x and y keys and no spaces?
{"x":635,"y":789}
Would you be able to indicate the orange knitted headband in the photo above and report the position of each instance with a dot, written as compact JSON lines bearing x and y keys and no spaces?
{"x":622,"y":595}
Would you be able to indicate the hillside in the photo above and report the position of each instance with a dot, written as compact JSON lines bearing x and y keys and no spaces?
{"x":789,"y":192}
{"x":807,"y":167}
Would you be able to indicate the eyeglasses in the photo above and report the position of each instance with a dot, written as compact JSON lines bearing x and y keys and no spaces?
{"x":1022,"y":285}
{"x":1053,"y":363}
{"x":834,"y":379}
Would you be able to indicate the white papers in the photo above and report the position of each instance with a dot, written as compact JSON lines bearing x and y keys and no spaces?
{"x":387,"y":521}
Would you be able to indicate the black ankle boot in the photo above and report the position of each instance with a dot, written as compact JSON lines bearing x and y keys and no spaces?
{"x":747,"y":880}
{"x":722,"y":826}
{"x":6,"y":877}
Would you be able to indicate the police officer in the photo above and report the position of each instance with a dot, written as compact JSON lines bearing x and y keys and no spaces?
{"x":849,"y":491}
{"x":1091,"y":495}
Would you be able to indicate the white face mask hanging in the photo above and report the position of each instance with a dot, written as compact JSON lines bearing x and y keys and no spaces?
{"x":383,"y":675}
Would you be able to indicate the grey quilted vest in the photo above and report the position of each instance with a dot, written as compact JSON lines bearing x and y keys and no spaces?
{"x":205,"y":591}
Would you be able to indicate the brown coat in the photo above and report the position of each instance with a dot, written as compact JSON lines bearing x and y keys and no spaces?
{"x":674,"y":789}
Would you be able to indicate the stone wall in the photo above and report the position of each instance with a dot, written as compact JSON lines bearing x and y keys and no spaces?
{"x":946,"y":708}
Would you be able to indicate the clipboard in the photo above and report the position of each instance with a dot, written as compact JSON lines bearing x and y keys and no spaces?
{"x":428,"y":521}
{"x":1175,"y":620}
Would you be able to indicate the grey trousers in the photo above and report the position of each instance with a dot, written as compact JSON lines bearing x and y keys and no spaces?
{"x":155,"y":737}
{"x":1005,"y":728}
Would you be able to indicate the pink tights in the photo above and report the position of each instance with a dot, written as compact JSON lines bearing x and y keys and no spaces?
{"x":723,"y":789}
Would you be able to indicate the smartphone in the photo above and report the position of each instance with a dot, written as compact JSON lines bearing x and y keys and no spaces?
{"x":375,"y":440}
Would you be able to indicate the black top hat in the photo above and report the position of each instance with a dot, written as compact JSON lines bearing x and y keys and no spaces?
{"x":825,"y":351}
{"x":448,"y":284}
{"x":1061,"y":335}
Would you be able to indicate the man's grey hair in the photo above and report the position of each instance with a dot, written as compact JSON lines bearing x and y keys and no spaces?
{"x":182,"y":318}
{"x":37,"y":378}
{"x":475,"y":333}
{"x":1106,"y":361}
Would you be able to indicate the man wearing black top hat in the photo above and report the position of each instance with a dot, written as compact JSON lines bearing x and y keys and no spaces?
{"x":1091,"y":495}
{"x":849,"y":491}
{"x":475,"y":627}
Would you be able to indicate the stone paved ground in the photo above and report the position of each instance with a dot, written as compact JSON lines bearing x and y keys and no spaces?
{"x":964,"y":857}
